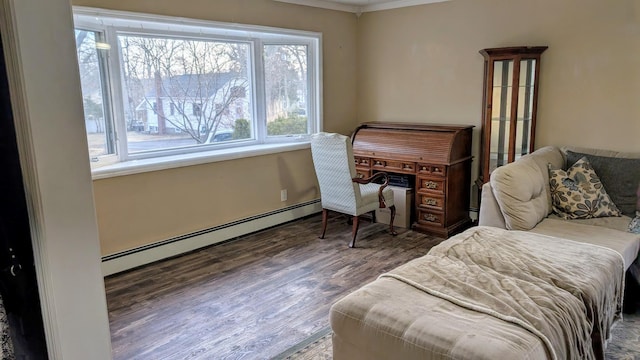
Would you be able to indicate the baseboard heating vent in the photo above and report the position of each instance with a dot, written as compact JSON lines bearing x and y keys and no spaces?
{"x":129,"y":259}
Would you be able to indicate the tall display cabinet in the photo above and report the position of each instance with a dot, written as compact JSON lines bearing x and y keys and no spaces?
{"x":511,"y":77}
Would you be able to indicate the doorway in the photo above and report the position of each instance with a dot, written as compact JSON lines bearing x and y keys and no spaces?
{"x":18,"y":284}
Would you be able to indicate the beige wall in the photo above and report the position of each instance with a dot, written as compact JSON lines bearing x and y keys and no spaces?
{"x":149,"y":207}
{"x":421,"y":64}
{"x":140,"y":209}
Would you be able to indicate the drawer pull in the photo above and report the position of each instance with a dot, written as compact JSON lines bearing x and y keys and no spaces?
{"x":430,"y":217}
{"x":378,"y":162}
{"x":432,"y":202}
{"x":430,"y":184}
{"x":407,"y":166}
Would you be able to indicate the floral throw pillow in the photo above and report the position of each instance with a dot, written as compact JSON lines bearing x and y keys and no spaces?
{"x":577,"y":193}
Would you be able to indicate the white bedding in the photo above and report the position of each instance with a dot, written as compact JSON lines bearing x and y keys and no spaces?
{"x":486,"y":293}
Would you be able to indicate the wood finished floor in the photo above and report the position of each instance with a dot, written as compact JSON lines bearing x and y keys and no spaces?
{"x":251,"y":298}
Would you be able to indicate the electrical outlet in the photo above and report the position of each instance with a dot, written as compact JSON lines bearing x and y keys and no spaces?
{"x":283,"y":195}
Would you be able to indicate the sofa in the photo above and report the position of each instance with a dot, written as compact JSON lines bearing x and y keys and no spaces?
{"x":518,"y":197}
{"x":469,"y":298}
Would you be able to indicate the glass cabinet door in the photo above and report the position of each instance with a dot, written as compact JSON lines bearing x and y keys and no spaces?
{"x":501,"y":113}
{"x":509,"y":114}
{"x":525,"y":107}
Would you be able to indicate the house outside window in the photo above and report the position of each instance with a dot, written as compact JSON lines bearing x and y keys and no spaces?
{"x":197,"y":109}
{"x":168,"y":86}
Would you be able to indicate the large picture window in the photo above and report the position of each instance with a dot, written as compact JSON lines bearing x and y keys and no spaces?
{"x":156,"y":86}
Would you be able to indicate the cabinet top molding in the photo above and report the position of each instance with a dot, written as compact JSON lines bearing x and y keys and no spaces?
{"x":514,"y":50}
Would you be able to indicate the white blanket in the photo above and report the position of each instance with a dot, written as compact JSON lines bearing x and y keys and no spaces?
{"x":567,"y":293}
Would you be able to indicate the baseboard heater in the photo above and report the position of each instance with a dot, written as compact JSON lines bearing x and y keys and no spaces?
{"x":132,"y":258}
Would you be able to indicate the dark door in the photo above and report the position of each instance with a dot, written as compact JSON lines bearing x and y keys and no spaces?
{"x":18,"y":285}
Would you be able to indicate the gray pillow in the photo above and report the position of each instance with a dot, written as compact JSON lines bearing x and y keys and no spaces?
{"x":619,"y":176}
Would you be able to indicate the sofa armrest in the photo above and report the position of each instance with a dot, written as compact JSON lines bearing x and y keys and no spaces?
{"x":490,"y":214}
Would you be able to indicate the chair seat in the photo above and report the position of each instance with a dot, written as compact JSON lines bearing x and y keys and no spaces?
{"x":369,"y":194}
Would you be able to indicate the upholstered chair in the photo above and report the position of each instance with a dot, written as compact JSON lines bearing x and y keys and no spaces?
{"x":341,"y":189}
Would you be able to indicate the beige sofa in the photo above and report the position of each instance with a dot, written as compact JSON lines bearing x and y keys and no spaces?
{"x":517,"y":197}
{"x":392,"y":319}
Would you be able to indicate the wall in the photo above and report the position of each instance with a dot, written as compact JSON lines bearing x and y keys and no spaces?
{"x":149,"y":207}
{"x":144,"y":208}
{"x":421,"y":64}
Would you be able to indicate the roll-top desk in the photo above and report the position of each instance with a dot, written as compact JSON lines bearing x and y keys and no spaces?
{"x":438,"y":157}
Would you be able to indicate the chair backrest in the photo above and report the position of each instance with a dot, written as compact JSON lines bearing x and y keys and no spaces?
{"x":335,"y":167}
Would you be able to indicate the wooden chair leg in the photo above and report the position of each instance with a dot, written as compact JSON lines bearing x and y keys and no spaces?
{"x":392,"y":208}
{"x":325,"y":215}
{"x":354,"y":232}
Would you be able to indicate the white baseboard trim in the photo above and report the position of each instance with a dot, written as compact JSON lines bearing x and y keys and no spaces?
{"x":118,"y":262}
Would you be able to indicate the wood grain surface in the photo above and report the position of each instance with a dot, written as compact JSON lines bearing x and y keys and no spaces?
{"x":253,"y":297}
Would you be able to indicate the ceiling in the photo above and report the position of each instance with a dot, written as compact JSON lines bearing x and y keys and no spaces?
{"x":360,"y":6}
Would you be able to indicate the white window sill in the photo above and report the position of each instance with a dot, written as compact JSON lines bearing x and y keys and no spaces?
{"x":169,"y":162}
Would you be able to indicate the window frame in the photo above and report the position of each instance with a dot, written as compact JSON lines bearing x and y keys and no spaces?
{"x":107,"y":96}
{"x":113,"y":24}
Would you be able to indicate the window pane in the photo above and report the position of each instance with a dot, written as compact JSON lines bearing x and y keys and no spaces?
{"x":184,"y":92}
{"x":93,"y":81}
{"x":286,"y":89}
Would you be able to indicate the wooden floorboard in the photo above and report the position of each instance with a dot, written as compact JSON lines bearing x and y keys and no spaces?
{"x":250,"y":298}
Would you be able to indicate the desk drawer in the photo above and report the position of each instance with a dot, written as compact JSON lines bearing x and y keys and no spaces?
{"x":394,"y":166}
{"x":431,"y":201}
{"x":433,"y":185}
{"x":363,"y":173}
{"x":362,"y":161}
{"x":430,"y":217}
{"x":435,"y":170}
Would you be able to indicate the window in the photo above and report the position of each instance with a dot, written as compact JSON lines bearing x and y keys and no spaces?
{"x":286,"y":89}
{"x":197,"y":109}
{"x":93,"y":79}
{"x":169,"y":86}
